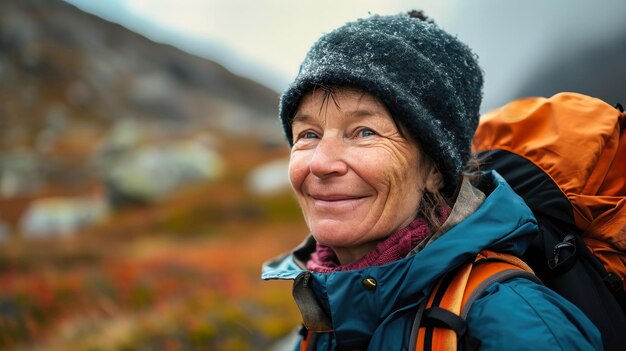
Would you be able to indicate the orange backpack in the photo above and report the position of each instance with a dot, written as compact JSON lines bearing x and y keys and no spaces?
{"x":566,"y":157}
{"x":579,"y":142}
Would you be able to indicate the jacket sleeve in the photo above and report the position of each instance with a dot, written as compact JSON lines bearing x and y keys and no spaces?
{"x":523,"y":315}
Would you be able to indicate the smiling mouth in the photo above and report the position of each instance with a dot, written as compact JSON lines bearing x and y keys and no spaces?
{"x":336,"y":197}
{"x":336,"y":202}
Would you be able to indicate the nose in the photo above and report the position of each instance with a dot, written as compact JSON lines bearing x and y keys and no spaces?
{"x":328,"y":158}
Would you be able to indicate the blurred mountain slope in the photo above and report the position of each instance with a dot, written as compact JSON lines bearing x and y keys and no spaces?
{"x":61,"y":65}
{"x":92,"y":112}
{"x":79,"y":93}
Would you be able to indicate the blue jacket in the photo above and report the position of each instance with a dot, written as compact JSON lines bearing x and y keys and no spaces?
{"x":515,"y":315}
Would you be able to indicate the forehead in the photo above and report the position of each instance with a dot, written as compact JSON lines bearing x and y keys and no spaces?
{"x":346,"y":101}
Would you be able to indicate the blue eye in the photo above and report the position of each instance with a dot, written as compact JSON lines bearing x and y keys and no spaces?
{"x":366,"y":132}
{"x":309,"y":135}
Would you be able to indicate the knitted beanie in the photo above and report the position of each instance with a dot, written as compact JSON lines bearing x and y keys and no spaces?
{"x":430,"y":82}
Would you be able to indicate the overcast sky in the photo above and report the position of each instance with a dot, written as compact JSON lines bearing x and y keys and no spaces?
{"x":267,"y":39}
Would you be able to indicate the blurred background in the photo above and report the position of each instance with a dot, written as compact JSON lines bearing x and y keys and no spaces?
{"x":143,"y":171}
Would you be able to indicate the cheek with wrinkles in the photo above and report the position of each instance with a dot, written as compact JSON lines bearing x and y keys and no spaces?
{"x":392,"y":164}
{"x":392,"y":151}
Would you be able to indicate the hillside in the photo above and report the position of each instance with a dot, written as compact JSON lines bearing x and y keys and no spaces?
{"x":126,"y":218}
{"x":78,"y":93}
{"x":54,"y":53}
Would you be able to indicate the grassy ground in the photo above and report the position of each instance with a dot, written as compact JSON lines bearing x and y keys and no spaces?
{"x":181,"y":274}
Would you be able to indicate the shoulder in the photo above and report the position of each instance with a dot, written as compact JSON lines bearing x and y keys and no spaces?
{"x":520,"y":314}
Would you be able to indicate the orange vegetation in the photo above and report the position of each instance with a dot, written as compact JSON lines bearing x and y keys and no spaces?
{"x":181,"y":274}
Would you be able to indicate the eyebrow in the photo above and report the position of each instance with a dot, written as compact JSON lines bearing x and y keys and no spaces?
{"x":300,"y":118}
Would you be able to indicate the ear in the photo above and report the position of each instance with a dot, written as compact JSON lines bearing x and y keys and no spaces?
{"x":434,"y":180}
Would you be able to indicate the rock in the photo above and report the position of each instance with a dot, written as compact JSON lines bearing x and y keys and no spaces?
{"x":125,"y":134}
{"x":270,"y":178}
{"x":61,"y":215}
{"x":158,"y":95}
{"x":20,"y":173}
{"x":155,"y":171}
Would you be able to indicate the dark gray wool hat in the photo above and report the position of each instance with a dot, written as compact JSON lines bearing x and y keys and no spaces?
{"x":430,"y":81}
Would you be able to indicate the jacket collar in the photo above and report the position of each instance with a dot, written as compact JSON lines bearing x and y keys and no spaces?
{"x":468,"y":200}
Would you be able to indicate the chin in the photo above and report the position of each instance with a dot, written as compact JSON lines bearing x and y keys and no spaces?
{"x":331,"y":237}
{"x":338,"y":237}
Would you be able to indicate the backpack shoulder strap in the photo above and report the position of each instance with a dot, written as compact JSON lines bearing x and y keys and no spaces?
{"x":308,"y":341}
{"x":440,"y":323}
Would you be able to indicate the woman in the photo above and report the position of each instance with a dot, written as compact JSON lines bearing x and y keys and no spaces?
{"x":380,"y":120}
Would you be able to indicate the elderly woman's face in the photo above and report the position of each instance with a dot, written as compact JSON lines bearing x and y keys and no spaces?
{"x":356,"y":177}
